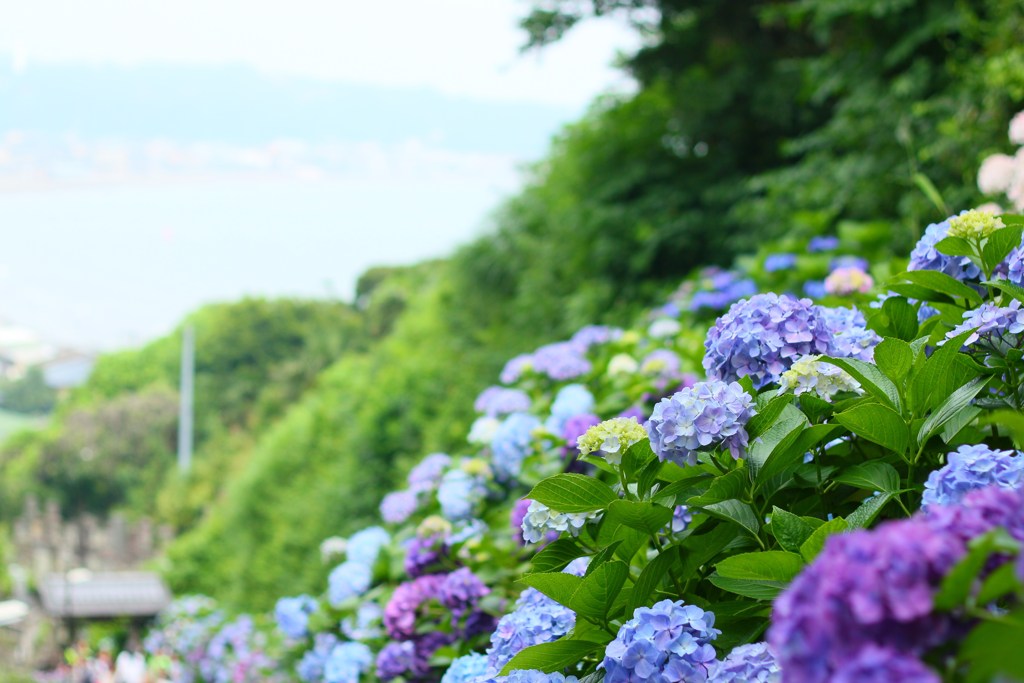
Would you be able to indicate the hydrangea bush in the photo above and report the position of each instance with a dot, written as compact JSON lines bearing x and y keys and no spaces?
{"x":745,"y":487}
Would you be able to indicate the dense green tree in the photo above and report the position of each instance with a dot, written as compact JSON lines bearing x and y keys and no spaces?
{"x":28,"y":394}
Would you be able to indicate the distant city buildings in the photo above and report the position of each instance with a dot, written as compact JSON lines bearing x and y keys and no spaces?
{"x":22,"y":349}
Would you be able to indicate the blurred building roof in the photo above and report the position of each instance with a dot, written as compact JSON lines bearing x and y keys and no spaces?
{"x":104,"y":594}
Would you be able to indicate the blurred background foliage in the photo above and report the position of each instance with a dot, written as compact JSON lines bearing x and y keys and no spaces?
{"x":754,"y":124}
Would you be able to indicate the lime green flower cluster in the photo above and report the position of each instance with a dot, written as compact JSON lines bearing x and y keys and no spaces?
{"x":974,"y":225}
{"x":612,"y":438}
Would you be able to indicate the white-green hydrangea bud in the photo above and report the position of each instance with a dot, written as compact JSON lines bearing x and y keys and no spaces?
{"x":540,"y":519}
{"x":974,"y":224}
{"x":611,"y":438}
{"x":622,"y":364}
{"x":809,"y":374}
{"x":434,"y":525}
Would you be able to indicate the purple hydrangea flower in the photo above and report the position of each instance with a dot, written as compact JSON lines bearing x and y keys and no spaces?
{"x":761,"y":336}
{"x":681,"y":519}
{"x":511,"y":444}
{"x":969,"y":468}
{"x":396,"y":658}
{"x":423,"y":554}
{"x":471,"y":668}
{"x":876,"y":664}
{"x":347,"y":662}
{"x":595,"y":335}
{"x":519,"y":510}
{"x":822,"y":243}
{"x":400,"y":612}
{"x":348,"y":580}
{"x":516,"y":367}
{"x":398,"y":506}
{"x":815,"y":289}
{"x":776,"y":262}
{"x":426,"y":476}
{"x":1015,"y":266}
{"x":719,"y":288}
{"x":460,"y":591}
{"x":847,"y":261}
{"x":990,"y":322}
{"x":670,"y":641}
{"x":753,"y":663}
{"x":497,"y":401}
{"x":574,"y":428}
{"x":292,"y":615}
{"x":705,"y":416}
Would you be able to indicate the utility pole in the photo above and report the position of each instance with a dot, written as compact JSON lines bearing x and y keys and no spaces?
{"x":188,"y":362}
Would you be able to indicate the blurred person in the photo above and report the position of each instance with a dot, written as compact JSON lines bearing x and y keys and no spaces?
{"x":102,"y":668}
{"x":131,"y":665}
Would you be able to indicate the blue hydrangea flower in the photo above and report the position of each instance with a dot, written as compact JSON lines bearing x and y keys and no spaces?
{"x":459,"y":494}
{"x":516,"y":367}
{"x":364,"y":546}
{"x":670,"y":641}
{"x":926,"y":257}
{"x":427,"y":474}
{"x":365,"y":624}
{"x":761,"y":336}
{"x":815,"y":289}
{"x":776,"y":262}
{"x":398,"y":506}
{"x":753,"y":663}
{"x":681,"y":519}
{"x":719,"y":288}
{"x":990,"y":322}
{"x":973,"y":467}
{"x":570,"y":401}
{"x":512,"y":442}
{"x":848,"y":332}
{"x":471,"y":668}
{"x":541,"y":520}
{"x":822,"y":243}
{"x":536,"y":619}
{"x":705,"y":416}
{"x":848,"y":261}
{"x":560,"y":361}
{"x":292,"y":615}
{"x":347,"y":662}
{"x":496,"y":401}
{"x":532,"y":676}
{"x":311,"y":667}
{"x":1015,"y":266}
{"x":348,"y":580}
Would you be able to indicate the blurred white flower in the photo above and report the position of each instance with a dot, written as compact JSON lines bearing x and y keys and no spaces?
{"x":996,"y":173}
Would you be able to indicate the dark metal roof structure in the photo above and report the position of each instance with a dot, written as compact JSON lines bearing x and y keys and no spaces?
{"x":104,"y":594}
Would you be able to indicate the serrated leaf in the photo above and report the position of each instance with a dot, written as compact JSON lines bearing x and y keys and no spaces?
{"x":767,"y":414}
{"x":783,"y":433}
{"x":556,"y":555}
{"x":605,"y":555}
{"x":873,"y":476}
{"x":642,"y":516}
{"x":998,"y":245}
{"x":652,"y":575}
{"x":751,"y":588}
{"x":958,"y":401}
{"x":942,"y":283}
{"x":1008,"y":288}
{"x":958,"y":422}
{"x":791,"y":457}
{"x":572,"y":493}
{"x":867,"y":511}
{"x":894,"y":357}
{"x":636,"y":457}
{"x":813,"y":545}
{"x":942,"y":372}
{"x":877,"y":423}
{"x":732,"y":484}
{"x":954,"y":246}
{"x":768,"y":565}
{"x":871,"y":379}
{"x":556,"y":585}
{"x":552,"y":657}
{"x":789,"y":530}
{"x":737,"y":512}
{"x":902,"y":318}
{"x":598,"y":590}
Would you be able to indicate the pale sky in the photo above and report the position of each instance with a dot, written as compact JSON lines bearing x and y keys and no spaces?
{"x":460,"y":47}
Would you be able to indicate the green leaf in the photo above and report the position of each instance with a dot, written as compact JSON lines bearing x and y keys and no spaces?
{"x":652,"y":576}
{"x":877,"y":423}
{"x":552,"y":657}
{"x":612,"y":529}
{"x":636,"y":457}
{"x":957,"y":402}
{"x":599,"y":590}
{"x":732,"y":484}
{"x":769,"y":565}
{"x":698,"y":550}
{"x":780,"y":436}
{"x":873,"y":476}
{"x":766,"y":415}
{"x":942,"y":283}
{"x":998,"y":245}
{"x":789,"y":530}
{"x":572,"y":493}
{"x":813,"y":545}
{"x":945,"y":370}
{"x":867,"y":511}
{"x":556,"y":555}
{"x":1008,"y":288}
{"x":994,"y":648}
{"x":792,"y":457}
{"x":1000,"y":582}
{"x":751,"y":588}
{"x":605,"y":555}
{"x":902,"y":318}
{"x":556,"y":585}
{"x":642,"y":516}
{"x":894,"y":357}
{"x":737,"y":512}
{"x":958,"y":422}
{"x":871,"y":379}
{"x":962,"y":578}
{"x":954,"y":246}
{"x":929,"y":190}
